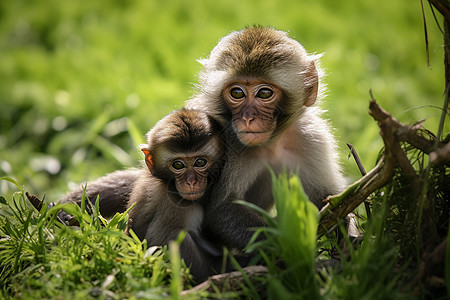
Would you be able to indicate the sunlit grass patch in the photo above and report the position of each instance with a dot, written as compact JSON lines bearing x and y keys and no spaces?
{"x":41,"y":257}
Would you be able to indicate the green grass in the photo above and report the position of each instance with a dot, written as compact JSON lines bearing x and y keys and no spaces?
{"x":81,"y":83}
{"x":41,"y":258}
{"x":292,"y":238}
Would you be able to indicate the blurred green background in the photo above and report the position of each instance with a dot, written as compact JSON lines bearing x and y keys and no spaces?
{"x":82,"y":81}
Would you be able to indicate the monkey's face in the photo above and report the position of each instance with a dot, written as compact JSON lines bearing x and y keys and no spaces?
{"x":191,"y":176}
{"x":253,"y":106}
{"x":187,"y":163}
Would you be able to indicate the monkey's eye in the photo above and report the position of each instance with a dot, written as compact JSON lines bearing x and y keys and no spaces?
{"x":200,"y":162}
{"x":264,"y":93}
{"x":178,"y":165}
{"x":237,"y":93}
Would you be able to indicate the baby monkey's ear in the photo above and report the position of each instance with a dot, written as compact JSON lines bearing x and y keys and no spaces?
{"x":148,"y":159}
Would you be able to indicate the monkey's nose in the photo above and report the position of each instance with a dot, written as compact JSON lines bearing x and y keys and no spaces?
{"x":191,"y":181}
{"x":248,"y":120}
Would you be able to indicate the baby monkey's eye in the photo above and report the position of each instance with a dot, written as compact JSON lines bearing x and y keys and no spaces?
{"x":200,"y":162}
{"x":264,"y":93}
{"x":237,"y":93}
{"x":178,"y":165}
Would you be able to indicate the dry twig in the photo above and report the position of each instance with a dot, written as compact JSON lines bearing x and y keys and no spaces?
{"x":363,"y":173}
{"x":232,"y":281}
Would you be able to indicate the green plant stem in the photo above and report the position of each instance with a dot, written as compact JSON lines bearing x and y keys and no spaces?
{"x":443,"y":115}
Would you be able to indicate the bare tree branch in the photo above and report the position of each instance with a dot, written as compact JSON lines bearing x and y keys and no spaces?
{"x":443,"y":6}
{"x":441,"y":155}
{"x":407,"y":133}
{"x":393,"y":132}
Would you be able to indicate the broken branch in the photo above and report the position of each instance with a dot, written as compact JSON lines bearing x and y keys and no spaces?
{"x":393,"y":133}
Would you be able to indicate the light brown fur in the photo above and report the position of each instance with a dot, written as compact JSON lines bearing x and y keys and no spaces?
{"x":302,"y":142}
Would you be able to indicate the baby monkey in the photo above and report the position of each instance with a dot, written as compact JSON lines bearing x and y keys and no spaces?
{"x":184,"y":156}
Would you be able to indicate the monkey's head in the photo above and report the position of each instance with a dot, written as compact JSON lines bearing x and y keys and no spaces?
{"x":259,"y":79}
{"x":184,"y":151}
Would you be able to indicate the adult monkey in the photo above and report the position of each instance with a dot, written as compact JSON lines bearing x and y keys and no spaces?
{"x":261,"y":85}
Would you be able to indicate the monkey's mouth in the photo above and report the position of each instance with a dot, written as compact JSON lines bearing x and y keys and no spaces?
{"x":191,"y":196}
{"x":254,"y":132}
{"x":253,"y":138}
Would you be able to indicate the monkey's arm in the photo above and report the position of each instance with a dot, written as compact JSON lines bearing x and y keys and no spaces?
{"x":113,"y":190}
{"x":202,"y":263}
{"x":308,"y":149}
{"x":231,"y":224}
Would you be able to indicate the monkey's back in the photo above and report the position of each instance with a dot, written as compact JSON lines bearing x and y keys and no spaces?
{"x":113,"y":190}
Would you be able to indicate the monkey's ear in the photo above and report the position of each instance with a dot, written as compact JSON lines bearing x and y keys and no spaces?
{"x":311,"y":84}
{"x":148,"y":159}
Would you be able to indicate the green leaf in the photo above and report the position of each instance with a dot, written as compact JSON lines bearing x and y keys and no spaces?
{"x":136,"y":135}
{"x":13,"y":182}
{"x":112,"y":151}
{"x":258,"y":209}
{"x":176,"y":285}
